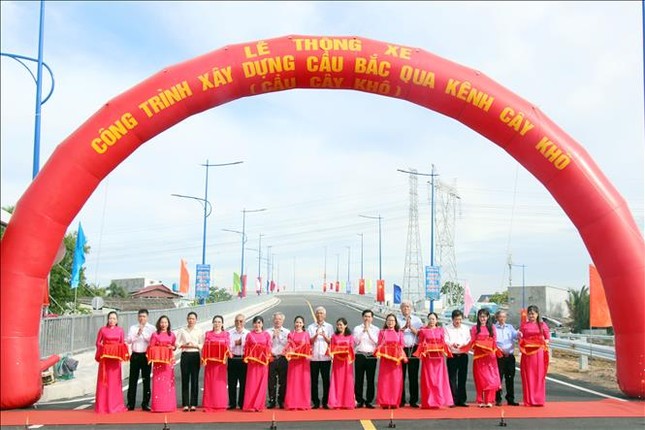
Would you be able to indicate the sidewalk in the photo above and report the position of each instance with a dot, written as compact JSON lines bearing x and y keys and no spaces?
{"x":84,"y":382}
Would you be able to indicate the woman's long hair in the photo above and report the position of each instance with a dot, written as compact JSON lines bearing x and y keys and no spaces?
{"x":107,"y":323}
{"x":535,"y":309}
{"x":347,"y":331}
{"x":396,"y":325}
{"x":158,"y":325}
{"x":489,"y":321}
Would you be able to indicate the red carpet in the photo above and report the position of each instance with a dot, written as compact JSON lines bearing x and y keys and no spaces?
{"x":603,"y":408}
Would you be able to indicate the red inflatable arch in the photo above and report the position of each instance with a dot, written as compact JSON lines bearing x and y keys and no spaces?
{"x":78,"y":165}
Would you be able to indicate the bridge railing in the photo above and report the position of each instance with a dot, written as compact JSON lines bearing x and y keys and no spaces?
{"x":74,"y":334}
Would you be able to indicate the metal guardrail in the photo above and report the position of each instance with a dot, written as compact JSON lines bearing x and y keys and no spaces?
{"x":583,"y":348}
{"x":74,"y":334}
{"x":78,"y":333}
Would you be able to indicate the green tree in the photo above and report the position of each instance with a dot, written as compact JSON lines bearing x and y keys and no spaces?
{"x":60,"y":278}
{"x":578,"y":305}
{"x":91,"y":290}
{"x":218,"y":295}
{"x":115,"y":290}
{"x":500,"y":298}
{"x":9,"y":209}
{"x":453,"y":292}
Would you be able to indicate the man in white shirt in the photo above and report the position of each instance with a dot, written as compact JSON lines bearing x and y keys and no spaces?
{"x":320,"y":333}
{"x":278,"y":367}
{"x":139,"y":338}
{"x":190,"y":340}
{"x":457,"y":336}
{"x":410,"y":325}
{"x":365,"y":342}
{"x":236,"y":367}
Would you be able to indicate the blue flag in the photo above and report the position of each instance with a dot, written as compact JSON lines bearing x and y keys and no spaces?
{"x":79,"y":257}
{"x":397,"y":295}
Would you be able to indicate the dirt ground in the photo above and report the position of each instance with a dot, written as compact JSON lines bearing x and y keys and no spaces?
{"x":600,"y":372}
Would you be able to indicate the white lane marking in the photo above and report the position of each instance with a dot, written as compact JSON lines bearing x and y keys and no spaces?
{"x":586,"y":390}
{"x":85,"y":406}
{"x":35,"y":426}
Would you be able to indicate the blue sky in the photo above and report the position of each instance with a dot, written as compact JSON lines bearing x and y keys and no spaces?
{"x":318,"y":159}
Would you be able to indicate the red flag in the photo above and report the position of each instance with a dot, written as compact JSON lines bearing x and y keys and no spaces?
{"x":380,"y":290}
{"x":272,"y":286}
{"x":337,"y":286}
{"x":361,"y":287}
{"x":243,"y":286}
{"x":184,"y":277}
{"x":598,"y":310}
{"x":324,"y":287}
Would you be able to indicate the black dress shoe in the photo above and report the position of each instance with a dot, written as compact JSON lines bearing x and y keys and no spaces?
{"x":325,"y":407}
{"x":360,"y":404}
{"x":499,"y":403}
{"x":315,"y":406}
{"x":230,"y":408}
{"x":281,"y":405}
{"x":462,"y":405}
{"x":369,"y":406}
{"x":510,"y":404}
{"x":130,"y":408}
{"x":271,"y":405}
{"x":414,"y":405}
{"x":146,"y":408}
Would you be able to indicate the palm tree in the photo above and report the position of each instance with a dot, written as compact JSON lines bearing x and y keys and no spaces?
{"x":578,"y":305}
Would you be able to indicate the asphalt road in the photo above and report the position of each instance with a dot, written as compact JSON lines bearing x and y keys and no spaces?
{"x":293,"y":305}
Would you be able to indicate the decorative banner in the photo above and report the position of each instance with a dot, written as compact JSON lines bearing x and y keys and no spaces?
{"x":243,"y":279}
{"x":361,"y":287}
{"x":598,"y":310}
{"x":184,"y":277}
{"x":79,"y":257}
{"x":397,"y":295}
{"x":337,"y":285}
{"x":433,"y":282}
{"x":380,"y":291}
{"x":202,"y":281}
{"x":324,"y":287}
{"x":51,"y":202}
{"x":237,"y":284}
{"x":468,"y":301}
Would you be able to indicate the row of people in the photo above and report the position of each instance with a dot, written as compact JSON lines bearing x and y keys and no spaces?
{"x":241,"y":366}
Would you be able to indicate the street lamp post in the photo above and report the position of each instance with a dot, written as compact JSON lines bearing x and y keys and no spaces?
{"x":361,"y":235}
{"x":208,"y":208}
{"x":510,"y":278}
{"x":349,"y":251}
{"x":379,"y":218}
{"x":260,"y":262}
{"x":244,"y":212}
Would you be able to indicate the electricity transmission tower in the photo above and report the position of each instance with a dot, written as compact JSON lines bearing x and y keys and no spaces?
{"x":447,"y":204}
{"x":413,"y":281}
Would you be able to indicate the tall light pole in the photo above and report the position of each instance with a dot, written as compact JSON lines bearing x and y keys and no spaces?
{"x":206,"y":199}
{"x":361,"y":235}
{"x":510,"y":277}
{"x":269,"y":269}
{"x":260,"y":261}
{"x":337,"y":270}
{"x":349,"y":251}
{"x":379,"y":218}
{"x":244,"y":212}
{"x":38,"y":79}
